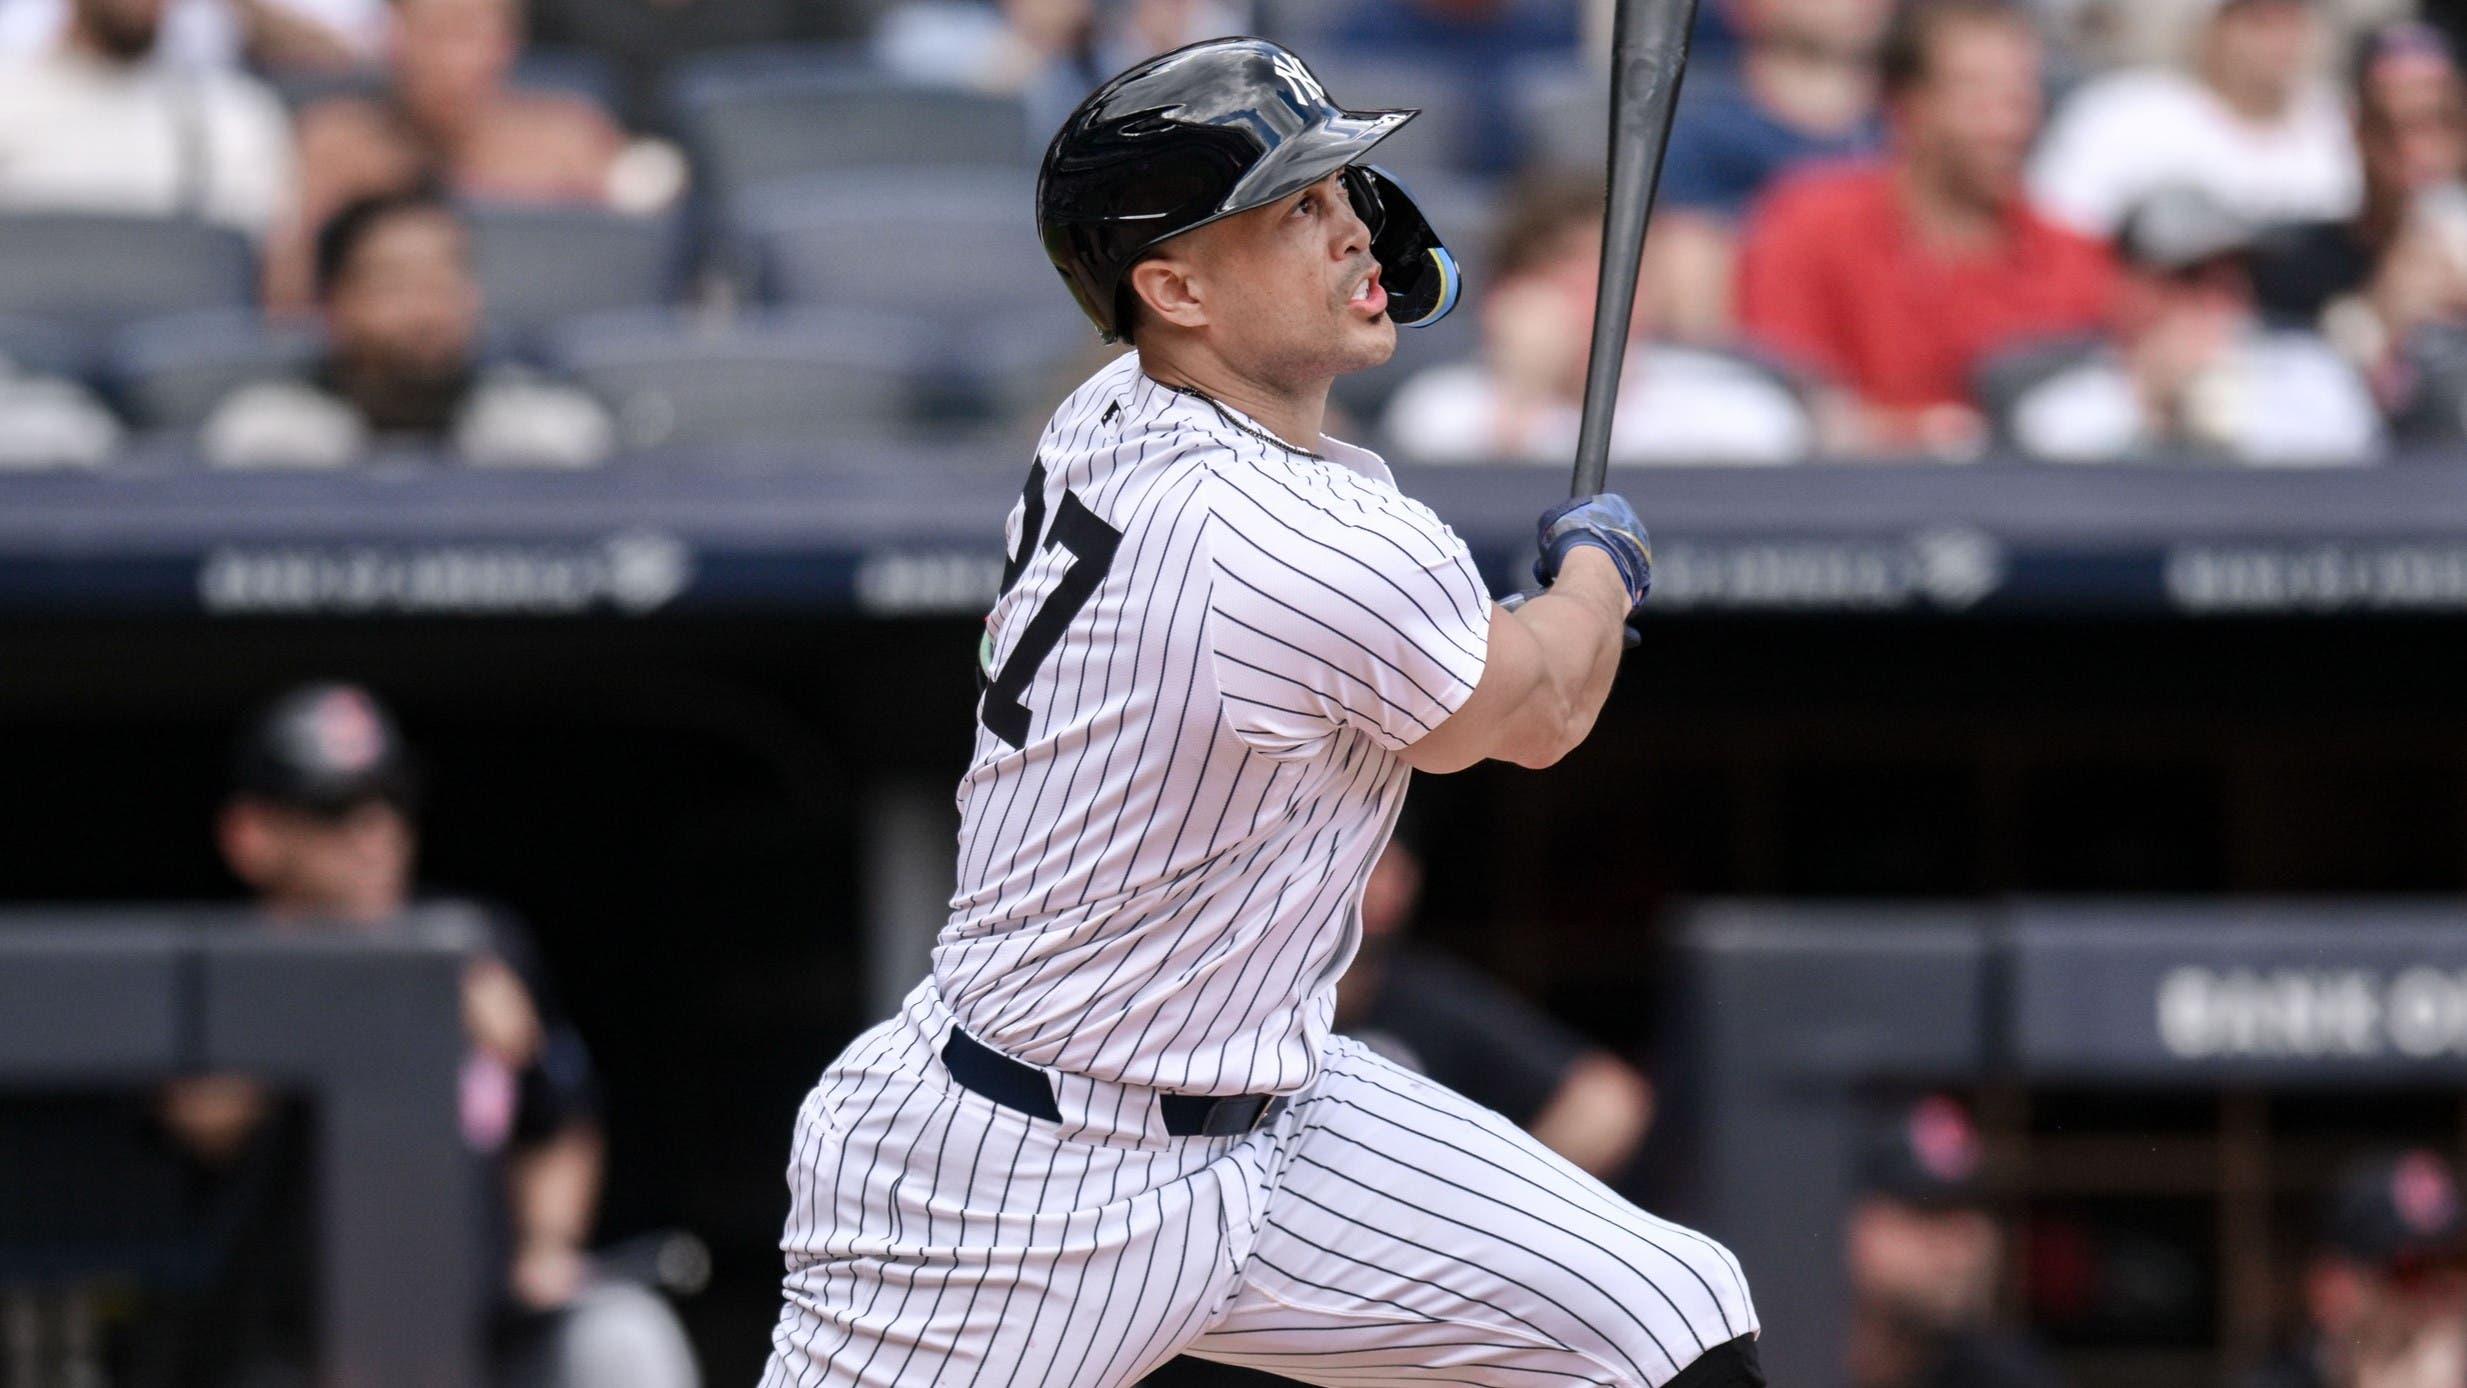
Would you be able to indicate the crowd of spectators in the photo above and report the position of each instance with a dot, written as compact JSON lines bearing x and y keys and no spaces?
{"x":2082,"y":230}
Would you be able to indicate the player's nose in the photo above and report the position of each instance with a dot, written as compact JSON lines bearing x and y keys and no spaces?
{"x":1349,"y":235}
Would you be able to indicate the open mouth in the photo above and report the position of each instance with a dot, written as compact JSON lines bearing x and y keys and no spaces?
{"x":1370,"y":296}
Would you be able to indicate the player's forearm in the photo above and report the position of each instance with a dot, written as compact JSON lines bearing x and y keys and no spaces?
{"x":1599,"y":1116}
{"x":1577,"y":631}
{"x":555,"y":1187}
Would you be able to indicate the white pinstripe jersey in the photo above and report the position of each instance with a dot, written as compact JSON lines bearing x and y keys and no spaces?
{"x":1209,"y":650}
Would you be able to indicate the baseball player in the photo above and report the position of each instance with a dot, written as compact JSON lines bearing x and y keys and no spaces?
{"x":1113,"y":1126}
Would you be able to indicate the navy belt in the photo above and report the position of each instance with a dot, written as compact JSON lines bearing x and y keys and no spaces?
{"x":983,"y":1070}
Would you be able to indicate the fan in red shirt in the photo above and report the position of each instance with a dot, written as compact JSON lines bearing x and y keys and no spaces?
{"x":1898,"y":280}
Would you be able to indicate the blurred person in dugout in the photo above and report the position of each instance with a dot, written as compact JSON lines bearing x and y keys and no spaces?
{"x":1896,"y":280}
{"x":449,"y":114}
{"x":2388,"y":286}
{"x":2384,"y":1293}
{"x":402,"y":312}
{"x":2192,"y":367}
{"x":93,"y":120}
{"x":1925,"y":1258}
{"x":1523,"y":399}
{"x":1804,"y":93}
{"x":2251,"y":120}
{"x":320,"y":827}
{"x":1438,"y":1016}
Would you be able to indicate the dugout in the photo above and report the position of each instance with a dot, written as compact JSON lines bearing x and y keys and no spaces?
{"x":2166,"y":1088}
{"x":699,"y":726}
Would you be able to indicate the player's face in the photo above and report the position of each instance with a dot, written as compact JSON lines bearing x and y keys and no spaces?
{"x":1935,"y":1268}
{"x":1295,"y":295}
{"x":352,"y":866}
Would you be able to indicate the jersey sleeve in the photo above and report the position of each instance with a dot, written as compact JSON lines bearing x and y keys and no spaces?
{"x":1343,"y":605}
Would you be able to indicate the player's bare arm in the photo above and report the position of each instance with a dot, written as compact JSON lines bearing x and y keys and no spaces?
{"x":1550,"y":669}
{"x":1552,"y":658}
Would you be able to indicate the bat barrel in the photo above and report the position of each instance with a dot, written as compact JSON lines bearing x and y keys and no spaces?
{"x":1649,"y":49}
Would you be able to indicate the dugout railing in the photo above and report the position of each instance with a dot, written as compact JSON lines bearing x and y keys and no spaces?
{"x":366,"y":1028}
{"x":2165,"y":1087}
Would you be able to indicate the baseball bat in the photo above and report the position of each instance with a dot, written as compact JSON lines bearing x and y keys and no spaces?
{"x":1649,"y":49}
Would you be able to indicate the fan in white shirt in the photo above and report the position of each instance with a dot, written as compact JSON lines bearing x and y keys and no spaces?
{"x":1521,"y":402}
{"x":2251,"y":125}
{"x":100,"y":124}
{"x":272,"y":35}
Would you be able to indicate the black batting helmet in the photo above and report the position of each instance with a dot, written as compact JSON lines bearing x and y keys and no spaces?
{"x":1205,"y":132}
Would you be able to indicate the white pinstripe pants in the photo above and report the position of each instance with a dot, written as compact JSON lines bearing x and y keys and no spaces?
{"x":1382,"y":1230}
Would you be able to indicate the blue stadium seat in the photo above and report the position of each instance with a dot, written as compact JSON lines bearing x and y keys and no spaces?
{"x":966,"y":242}
{"x":170,"y":373}
{"x":806,"y":379}
{"x":541,"y":264}
{"x":751,"y":118}
{"x":1440,"y":141}
{"x":569,"y":72}
{"x":42,"y":347}
{"x":1562,"y":114}
{"x":1303,"y":25}
{"x":92,"y":274}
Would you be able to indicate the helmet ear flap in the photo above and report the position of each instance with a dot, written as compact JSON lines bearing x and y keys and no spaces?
{"x":1421,"y":277}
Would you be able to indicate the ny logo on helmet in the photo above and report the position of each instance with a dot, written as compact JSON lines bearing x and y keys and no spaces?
{"x":1307,"y":92}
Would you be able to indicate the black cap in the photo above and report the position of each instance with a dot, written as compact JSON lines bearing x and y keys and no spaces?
{"x":325,"y":748}
{"x":2395,"y":1209}
{"x":1926,"y":1154}
{"x":1203,"y":133}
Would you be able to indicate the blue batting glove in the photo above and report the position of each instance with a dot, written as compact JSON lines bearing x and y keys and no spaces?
{"x":1607,"y":523}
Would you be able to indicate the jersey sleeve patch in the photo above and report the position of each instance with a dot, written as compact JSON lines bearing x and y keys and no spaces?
{"x":1336,"y":603}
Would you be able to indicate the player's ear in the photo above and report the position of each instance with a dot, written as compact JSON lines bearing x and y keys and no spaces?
{"x":1169,"y":289}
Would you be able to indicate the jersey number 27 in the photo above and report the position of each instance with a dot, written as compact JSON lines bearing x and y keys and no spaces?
{"x":1092,"y":544}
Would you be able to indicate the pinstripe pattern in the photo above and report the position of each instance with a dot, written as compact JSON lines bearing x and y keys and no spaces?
{"x":1160,"y":886}
{"x":1160,"y":879}
{"x":1383,"y":1230}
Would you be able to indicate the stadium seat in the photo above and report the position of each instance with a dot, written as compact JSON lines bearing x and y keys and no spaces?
{"x":91,"y":274}
{"x":42,"y":347}
{"x":1303,"y":24}
{"x":751,"y":118}
{"x":1438,"y":142}
{"x":967,"y":243}
{"x":2005,"y":380}
{"x":538,"y":265}
{"x":810,"y":379}
{"x":569,"y":72}
{"x":1562,"y":115}
{"x":170,"y":373}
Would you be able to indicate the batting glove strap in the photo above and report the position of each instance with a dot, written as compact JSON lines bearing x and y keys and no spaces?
{"x":1607,"y":523}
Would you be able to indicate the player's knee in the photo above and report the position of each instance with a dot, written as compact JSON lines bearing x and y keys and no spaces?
{"x":1695,"y":1296}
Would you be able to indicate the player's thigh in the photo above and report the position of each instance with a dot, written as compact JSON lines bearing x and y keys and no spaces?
{"x":1416,"y":1236}
{"x":937,"y":1238}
